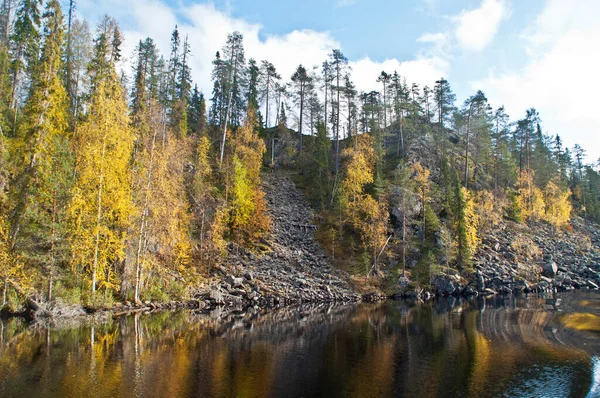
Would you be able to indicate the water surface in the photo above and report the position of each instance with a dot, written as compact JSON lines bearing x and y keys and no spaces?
{"x":497,"y":347}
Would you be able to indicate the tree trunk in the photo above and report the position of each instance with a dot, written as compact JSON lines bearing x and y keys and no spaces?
{"x":467,"y":151}
{"x":424,"y":226}
{"x":337,"y":123}
{"x":267,"y":107}
{"x":99,"y":216}
{"x":52,"y":239}
{"x":403,"y":236}
{"x":301,"y":113}
{"x":4,"y":290}
{"x":233,"y":75}
{"x":138,"y":265}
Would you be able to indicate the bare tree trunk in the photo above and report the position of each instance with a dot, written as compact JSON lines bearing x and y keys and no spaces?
{"x":403,"y":236}
{"x":138,"y":266}
{"x":4,"y":290}
{"x":467,"y":150}
{"x":233,"y":75}
{"x":224,"y":135}
{"x":301,"y":113}
{"x":424,"y":226}
{"x":52,"y":239}
{"x":337,"y":124}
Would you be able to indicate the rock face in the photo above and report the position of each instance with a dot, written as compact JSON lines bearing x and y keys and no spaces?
{"x":293,"y":270}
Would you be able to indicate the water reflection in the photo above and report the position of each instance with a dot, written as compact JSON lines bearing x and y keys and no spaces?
{"x":449,"y":348}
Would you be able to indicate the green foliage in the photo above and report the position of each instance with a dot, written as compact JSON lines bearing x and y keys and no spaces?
{"x":514,"y":211}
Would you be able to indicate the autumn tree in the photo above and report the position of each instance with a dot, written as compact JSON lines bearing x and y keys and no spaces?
{"x":530,"y":198}
{"x":558,"y":205}
{"x":101,"y":203}
{"x":248,"y":220}
{"x":466,"y":226}
{"x":420,"y":177}
{"x":38,"y":217}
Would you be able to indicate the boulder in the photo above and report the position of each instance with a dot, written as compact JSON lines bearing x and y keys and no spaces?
{"x":236,"y":282}
{"x":444,"y":286}
{"x":216,"y":296}
{"x":550,"y":269}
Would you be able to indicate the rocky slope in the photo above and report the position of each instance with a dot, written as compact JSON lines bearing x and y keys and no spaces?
{"x":293,"y":270}
{"x":517,"y":258}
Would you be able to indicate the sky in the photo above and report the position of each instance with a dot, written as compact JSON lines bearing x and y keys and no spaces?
{"x":520,"y":53}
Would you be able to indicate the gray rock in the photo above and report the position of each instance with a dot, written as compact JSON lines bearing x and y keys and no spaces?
{"x":444,"y":286}
{"x":216,"y":296}
{"x":236,"y":282}
{"x":480,"y":282}
{"x":550,"y":269}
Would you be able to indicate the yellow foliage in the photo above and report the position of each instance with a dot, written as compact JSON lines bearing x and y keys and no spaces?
{"x":101,"y":205}
{"x":202,"y":158}
{"x":530,"y":198}
{"x":367,"y":215}
{"x":558,"y":205}
{"x":218,"y":228}
{"x":471,"y":222}
{"x":489,"y":210}
{"x":248,"y":218}
{"x":359,"y":172}
{"x":243,"y":205}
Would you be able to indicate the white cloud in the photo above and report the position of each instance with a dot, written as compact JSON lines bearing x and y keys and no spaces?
{"x":560,"y":79}
{"x":475,"y":29}
{"x":435,"y":38}
{"x":345,"y":3}
{"x":423,"y":70}
{"x":207,"y":28}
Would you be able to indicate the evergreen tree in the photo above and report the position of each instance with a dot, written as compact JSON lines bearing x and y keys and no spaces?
{"x":25,"y":40}
{"x":235,"y":61}
{"x":302,"y":82}
{"x":253,"y":83}
{"x":38,"y":221}
{"x":197,"y":112}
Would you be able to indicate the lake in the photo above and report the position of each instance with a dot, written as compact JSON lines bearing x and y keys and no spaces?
{"x":492,"y":347}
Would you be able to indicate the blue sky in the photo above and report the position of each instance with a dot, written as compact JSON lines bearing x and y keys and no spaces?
{"x":525,"y":53}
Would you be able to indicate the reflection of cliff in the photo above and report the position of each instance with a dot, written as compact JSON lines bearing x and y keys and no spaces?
{"x":447,"y":348}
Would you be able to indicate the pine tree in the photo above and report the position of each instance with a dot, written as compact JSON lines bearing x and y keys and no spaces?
{"x":302,"y":82}
{"x":25,"y":39}
{"x":197,"y":112}
{"x":338,"y":65}
{"x":235,"y":61}
{"x":269,"y":80}
{"x":253,"y":83}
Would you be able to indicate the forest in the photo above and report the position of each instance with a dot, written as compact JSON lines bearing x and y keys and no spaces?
{"x":124,"y":181}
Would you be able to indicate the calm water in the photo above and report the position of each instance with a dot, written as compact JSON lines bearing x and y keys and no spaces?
{"x":481,"y":348}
